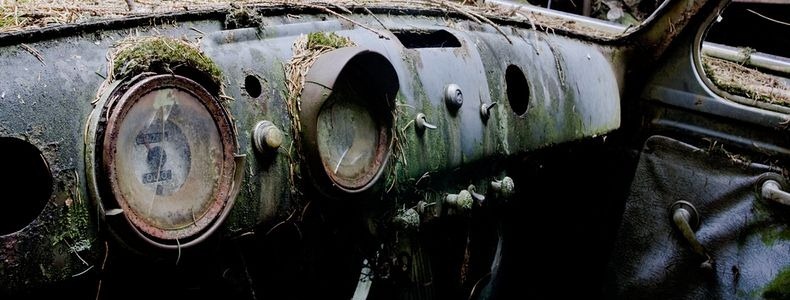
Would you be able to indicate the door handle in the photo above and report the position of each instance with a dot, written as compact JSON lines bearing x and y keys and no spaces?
{"x":685,"y":219}
{"x":771,"y":189}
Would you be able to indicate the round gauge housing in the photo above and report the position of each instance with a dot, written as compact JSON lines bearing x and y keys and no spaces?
{"x":347,"y":119}
{"x":168,"y":156}
{"x":351,"y":139}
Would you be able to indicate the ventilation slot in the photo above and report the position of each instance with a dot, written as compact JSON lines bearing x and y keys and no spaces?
{"x":426,"y":39}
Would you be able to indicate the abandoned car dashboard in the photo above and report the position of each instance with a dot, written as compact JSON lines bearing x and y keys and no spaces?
{"x":376,"y":150}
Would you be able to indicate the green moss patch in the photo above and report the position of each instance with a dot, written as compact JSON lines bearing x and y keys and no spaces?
{"x":771,"y":235}
{"x":161,"y":55}
{"x":779,"y":288}
{"x":318,"y":40}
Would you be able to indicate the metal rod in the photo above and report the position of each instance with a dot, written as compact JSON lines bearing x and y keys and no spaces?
{"x":772,"y":190}
{"x":590,"y":22}
{"x":681,"y":218}
{"x":760,"y":60}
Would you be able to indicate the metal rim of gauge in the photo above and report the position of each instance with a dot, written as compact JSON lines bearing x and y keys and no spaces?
{"x":188,"y":171}
{"x":348,"y":68}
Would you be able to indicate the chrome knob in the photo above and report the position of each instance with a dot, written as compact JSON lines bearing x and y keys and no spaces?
{"x":422,"y":123}
{"x":266,"y":137}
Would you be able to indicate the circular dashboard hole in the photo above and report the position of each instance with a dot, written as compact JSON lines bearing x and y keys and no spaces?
{"x":26,"y":184}
{"x":253,"y":86}
{"x":517,"y":90}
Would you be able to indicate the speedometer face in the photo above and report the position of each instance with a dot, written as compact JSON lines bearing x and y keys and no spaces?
{"x":167,"y":162}
{"x":348,"y":138}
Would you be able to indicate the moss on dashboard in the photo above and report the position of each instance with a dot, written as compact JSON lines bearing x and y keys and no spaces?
{"x":779,"y":288}
{"x":160,"y":54}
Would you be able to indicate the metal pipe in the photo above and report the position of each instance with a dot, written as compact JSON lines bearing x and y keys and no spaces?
{"x":760,"y":60}
{"x":771,"y":189}
{"x":597,"y":24}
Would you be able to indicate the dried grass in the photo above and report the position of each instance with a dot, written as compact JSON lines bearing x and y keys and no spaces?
{"x":306,"y":50}
{"x":743,"y":81}
{"x":32,"y":14}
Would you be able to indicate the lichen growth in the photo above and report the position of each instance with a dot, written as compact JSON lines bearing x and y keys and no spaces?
{"x":408,"y":218}
{"x":779,"y":288}
{"x":163,"y":55}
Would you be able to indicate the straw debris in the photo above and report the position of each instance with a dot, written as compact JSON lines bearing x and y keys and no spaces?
{"x":306,"y":50}
{"x":34,"y":14}
{"x":743,"y":81}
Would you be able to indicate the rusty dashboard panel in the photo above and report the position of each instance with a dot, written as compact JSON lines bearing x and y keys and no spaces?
{"x":165,"y":135}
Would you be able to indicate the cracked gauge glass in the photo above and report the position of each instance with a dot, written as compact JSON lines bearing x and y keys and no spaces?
{"x":167,"y":163}
{"x":348,"y":139}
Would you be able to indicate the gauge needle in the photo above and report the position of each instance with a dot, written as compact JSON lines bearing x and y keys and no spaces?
{"x":341,"y":159}
{"x":159,"y":165}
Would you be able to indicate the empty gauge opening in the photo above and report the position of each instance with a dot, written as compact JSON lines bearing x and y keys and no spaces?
{"x":26,"y":184}
{"x":354,"y":124}
{"x":517,"y":90}
{"x":347,"y":119}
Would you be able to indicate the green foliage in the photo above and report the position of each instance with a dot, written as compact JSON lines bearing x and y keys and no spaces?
{"x":317,"y":40}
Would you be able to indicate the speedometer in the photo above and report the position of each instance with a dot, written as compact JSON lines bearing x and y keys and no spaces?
{"x":168,"y":157}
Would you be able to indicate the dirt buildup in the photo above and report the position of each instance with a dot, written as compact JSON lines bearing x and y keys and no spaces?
{"x":162,"y":55}
{"x":743,"y":81}
{"x":243,"y":18}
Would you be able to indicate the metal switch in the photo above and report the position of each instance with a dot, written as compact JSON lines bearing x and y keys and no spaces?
{"x":686,"y":219}
{"x":422,"y":123}
{"x":463,"y":200}
{"x":504,"y":188}
{"x":485,"y":110}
